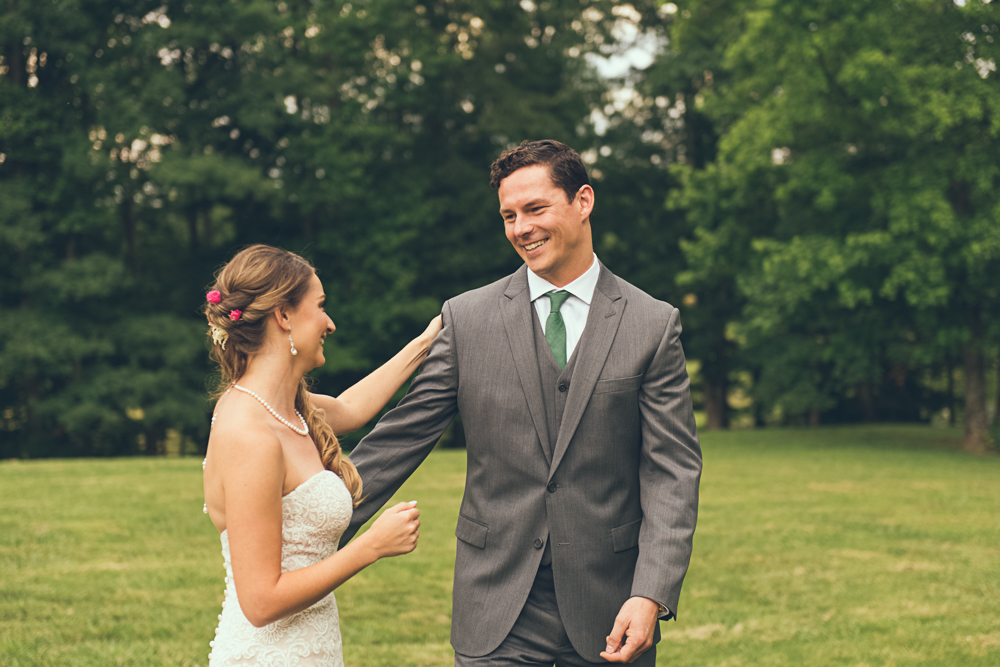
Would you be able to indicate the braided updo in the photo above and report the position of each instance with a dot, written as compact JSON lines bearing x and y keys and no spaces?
{"x":255,"y":282}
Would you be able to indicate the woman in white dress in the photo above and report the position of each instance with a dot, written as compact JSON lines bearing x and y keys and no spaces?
{"x":277,"y":486}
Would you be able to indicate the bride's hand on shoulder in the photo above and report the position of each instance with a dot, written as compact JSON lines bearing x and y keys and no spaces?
{"x":356,"y":406}
{"x":396,"y":531}
{"x":432,"y":330}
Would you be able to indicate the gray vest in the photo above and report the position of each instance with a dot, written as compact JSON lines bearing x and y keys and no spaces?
{"x":555,"y":389}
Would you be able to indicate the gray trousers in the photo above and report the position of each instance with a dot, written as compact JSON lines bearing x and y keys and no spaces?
{"x":538,"y":637}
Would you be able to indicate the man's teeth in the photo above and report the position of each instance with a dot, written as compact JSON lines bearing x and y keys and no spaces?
{"x":532,"y":246}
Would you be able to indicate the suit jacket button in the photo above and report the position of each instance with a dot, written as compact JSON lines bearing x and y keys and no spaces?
{"x":538,"y":543}
{"x":563,"y":387}
{"x":551,"y":487}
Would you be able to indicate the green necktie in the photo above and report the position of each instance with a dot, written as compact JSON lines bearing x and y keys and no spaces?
{"x":555,"y":327}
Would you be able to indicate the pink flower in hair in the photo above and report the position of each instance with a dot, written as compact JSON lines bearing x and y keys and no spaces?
{"x":214,"y":296}
{"x":235,"y":314}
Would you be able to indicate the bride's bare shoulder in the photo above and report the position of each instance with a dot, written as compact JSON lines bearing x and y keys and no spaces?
{"x":241,"y":433}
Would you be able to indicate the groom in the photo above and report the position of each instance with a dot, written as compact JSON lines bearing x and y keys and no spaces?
{"x":581,"y":495}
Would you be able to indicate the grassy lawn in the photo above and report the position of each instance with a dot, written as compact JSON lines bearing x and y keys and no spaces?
{"x":835,"y":546}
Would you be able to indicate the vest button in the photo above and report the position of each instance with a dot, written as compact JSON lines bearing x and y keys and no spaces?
{"x":551,"y":487}
{"x":563,"y":387}
{"x":538,"y":543}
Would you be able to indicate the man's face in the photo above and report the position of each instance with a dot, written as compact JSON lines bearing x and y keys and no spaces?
{"x":550,"y":234}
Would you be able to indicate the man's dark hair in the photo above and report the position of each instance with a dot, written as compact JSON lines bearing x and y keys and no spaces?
{"x":565,"y":166}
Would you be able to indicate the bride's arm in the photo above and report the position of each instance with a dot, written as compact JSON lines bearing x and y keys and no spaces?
{"x":356,"y":406}
{"x":253,"y":478}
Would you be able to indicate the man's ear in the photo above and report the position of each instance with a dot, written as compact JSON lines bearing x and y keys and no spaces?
{"x":585,"y":200}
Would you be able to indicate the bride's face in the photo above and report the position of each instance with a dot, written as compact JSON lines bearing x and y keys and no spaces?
{"x":311,"y":325}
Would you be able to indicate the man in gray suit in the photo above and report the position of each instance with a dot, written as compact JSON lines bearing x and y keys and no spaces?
{"x":581,"y":494}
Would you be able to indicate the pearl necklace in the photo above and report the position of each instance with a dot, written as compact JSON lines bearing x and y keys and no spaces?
{"x":301,"y":431}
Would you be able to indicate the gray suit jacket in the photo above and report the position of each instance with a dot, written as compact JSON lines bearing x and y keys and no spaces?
{"x":619,"y":494}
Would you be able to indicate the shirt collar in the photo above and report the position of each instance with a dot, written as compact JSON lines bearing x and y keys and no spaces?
{"x":582,"y":288}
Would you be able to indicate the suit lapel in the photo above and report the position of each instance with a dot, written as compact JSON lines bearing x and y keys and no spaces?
{"x":605,"y":315}
{"x":516,"y":308}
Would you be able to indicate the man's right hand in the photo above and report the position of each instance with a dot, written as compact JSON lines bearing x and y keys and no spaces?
{"x":636,"y":623}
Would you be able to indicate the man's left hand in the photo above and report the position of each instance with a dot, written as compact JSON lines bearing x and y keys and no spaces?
{"x":635,"y":624}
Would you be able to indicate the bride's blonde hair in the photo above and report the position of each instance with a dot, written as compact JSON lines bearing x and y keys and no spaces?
{"x":255,"y":282}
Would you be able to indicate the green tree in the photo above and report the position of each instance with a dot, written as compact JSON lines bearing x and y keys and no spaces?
{"x":140,"y":145}
{"x":873,"y":131}
{"x":699,"y":246}
{"x":91,"y":360}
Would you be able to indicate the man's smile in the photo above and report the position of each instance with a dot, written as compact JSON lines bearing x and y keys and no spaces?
{"x":536,"y":244}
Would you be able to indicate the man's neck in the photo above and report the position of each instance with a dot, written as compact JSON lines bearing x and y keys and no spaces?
{"x":582,"y":286}
{"x":570,"y":273}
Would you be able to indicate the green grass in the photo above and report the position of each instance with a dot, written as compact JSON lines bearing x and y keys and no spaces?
{"x":836,"y":546}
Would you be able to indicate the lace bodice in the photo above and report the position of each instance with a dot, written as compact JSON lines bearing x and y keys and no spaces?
{"x":313,"y":517}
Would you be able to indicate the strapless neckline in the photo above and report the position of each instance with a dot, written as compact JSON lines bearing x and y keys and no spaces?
{"x":308,"y":481}
{"x":296,"y":490}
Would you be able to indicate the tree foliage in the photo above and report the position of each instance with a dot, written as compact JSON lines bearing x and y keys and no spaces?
{"x":814,"y":184}
{"x":140,"y":143}
{"x":853,"y":202}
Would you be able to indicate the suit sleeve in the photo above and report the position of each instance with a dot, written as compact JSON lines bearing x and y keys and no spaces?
{"x":669,"y":473}
{"x":403,"y":438}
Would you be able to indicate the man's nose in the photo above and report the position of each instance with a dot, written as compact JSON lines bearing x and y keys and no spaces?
{"x":522,"y":226}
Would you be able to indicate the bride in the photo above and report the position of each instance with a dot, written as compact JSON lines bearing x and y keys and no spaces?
{"x":277,"y":486}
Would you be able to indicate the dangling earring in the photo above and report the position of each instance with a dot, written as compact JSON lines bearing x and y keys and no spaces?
{"x":292,"y":343}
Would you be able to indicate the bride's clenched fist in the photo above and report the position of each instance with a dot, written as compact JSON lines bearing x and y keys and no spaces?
{"x":396,"y":531}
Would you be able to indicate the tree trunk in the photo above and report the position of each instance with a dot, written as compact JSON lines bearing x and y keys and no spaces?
{"x":950,"y":369}
{"x":192,"y":223}
{"x":716,"y":407}
{"x":308,"y":226}
{"x":868,"y":413}
{"x":759,"y":420}
{"x":35,"y":430}
{"x":207,"y":229}
{"x":996,"y":412}
{"x":814,"y":417}
{"x":976,"y":427}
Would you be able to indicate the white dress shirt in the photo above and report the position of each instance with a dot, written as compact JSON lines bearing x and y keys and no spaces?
{"x":576,"y":307}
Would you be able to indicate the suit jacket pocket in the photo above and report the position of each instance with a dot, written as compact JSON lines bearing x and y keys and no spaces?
{"x":618,"y":384}
{"x":626,"y":537}
{"x":471,"y":532}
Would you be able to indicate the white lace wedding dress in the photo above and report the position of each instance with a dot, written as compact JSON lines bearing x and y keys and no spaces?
{"x":313,"y":517}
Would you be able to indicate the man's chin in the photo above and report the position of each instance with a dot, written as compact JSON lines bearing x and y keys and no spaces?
{"x":536,"y":264}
